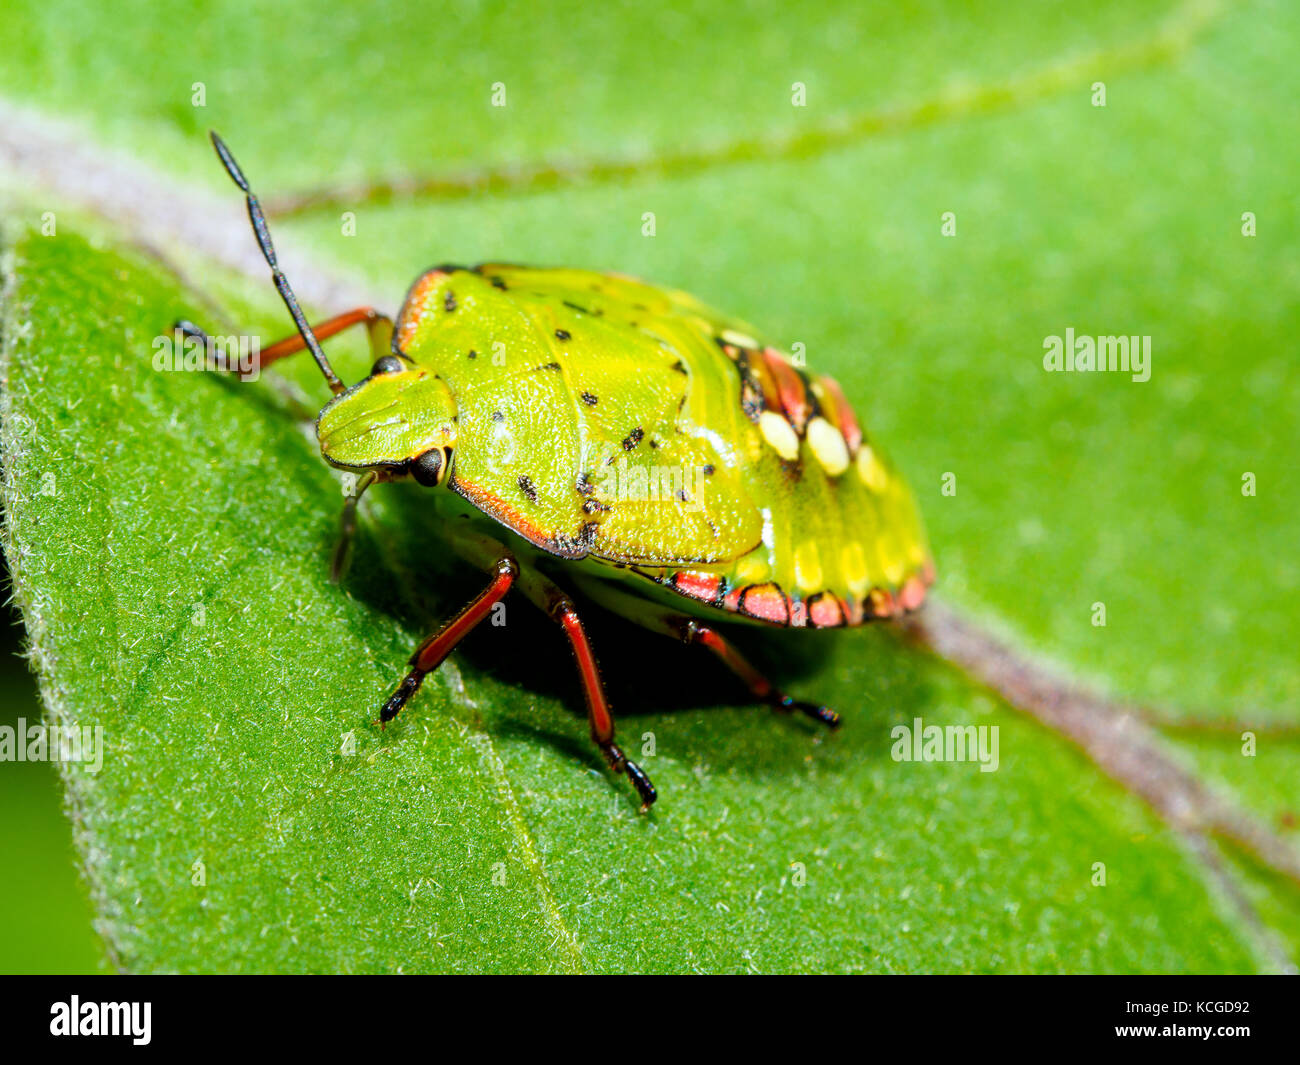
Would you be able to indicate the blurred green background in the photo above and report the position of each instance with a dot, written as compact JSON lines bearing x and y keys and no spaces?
{"x":45,"y":914}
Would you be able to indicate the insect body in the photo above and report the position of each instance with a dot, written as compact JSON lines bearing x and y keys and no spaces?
{"x":630,"y":440}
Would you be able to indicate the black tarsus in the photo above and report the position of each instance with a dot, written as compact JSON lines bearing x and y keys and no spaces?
{"x":263,"y":235}
{"x":187,"y":328}
{"x":194,"y":332}
{"x":641,"y":782}
{"x":786,"y":704}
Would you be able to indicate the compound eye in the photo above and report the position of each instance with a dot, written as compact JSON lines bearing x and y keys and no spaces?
{"x":427,"y":468}
{"x":387,"y":364}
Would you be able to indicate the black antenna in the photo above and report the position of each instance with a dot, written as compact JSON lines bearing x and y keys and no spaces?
{"x":268,"y":250}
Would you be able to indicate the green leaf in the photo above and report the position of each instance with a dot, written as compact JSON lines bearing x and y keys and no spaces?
{"x":173,"y":571}
{"x":169,"y":534}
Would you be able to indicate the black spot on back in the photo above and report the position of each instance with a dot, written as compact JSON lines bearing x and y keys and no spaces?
{"x":562,"y":334}
{"x":589,"y":398}
{"x":580,"y":544}
{"x":449,"y":301}
{"x":633,"y":438}
{"x":528,"y":488}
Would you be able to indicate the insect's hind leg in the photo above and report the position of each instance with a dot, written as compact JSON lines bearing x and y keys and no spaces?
{"x":762,"y":688}
{"x":679,"y":626}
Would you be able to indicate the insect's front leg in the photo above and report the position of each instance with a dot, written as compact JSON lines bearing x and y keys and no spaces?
{"x":348,"y":525}
{"x":378,"y":325}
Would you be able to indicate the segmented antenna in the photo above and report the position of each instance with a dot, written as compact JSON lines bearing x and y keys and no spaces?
{"x":268,"y":251}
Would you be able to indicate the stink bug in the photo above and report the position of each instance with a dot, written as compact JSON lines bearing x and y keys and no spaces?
{"x":626,"y":439}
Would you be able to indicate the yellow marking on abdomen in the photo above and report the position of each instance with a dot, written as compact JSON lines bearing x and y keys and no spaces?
{"x":855,"y":568}
{"x":807,"y":567}
{"x":872,"y":470}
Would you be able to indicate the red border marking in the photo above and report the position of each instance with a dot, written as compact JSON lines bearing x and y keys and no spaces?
{"x":882,"y":602}
{"x":912,"y":594}
{"x":765,"y":601}
{"x":790,"y":390}
{"x":707,"y":587}
{"x":416,"y":300}
{"x":825,"y":611}
{"x":845,"y":420}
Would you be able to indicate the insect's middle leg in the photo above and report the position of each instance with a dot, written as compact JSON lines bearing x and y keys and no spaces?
{"x":553,"y":601}
{"x":598,"y":715}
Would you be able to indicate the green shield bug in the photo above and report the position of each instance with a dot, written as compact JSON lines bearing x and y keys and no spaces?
{"x":622,"y":439}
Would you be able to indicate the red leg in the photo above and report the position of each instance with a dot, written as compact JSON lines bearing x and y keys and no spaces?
{"x":598,"y":715}
{"x":762,"y":688}
{"x":552,"y":600}
{"x":380,"y":327}
{"x":430,"y":654}
{"x":367,"y":316}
